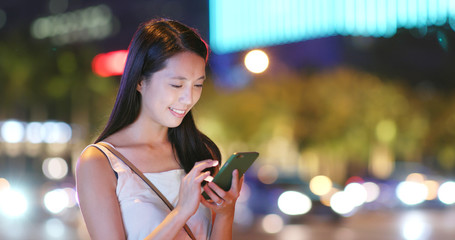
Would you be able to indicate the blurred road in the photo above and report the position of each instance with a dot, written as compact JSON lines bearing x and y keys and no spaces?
{"x":426,"y":224}
{"x":409,"y":224}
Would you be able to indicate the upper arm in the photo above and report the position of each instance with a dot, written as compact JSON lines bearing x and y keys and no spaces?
{"x":96,"y":189}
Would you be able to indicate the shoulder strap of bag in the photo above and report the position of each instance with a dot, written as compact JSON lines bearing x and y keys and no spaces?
{"x":145,"y":179}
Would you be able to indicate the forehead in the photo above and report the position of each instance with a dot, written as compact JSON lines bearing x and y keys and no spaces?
{"x":185,"y":63}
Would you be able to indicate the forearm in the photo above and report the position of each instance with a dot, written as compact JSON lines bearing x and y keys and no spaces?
{"x":170,"y":227}
{"x":222,"y":227}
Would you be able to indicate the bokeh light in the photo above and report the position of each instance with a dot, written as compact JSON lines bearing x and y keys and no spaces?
{"x":56,"y":200}
{"x":446,"y":192}
{"x":354,"y":179}
{"x":357,"y":193}
{"x":325,"y":199}
{"x":267,"y":174}
{"x":13,"y":203}
{"x":95,"y":22}
{"x":55,"y":228}
{"x":415,"y":226}
{"x":55,"y":168}
{"x":109,"y":64}
{"x":34,"y":132}
{"x":432,"y":187}
{"x":256,"y":61}
{"x":72,"y":198}
{"x":12,"y":131}
{"x":373,"y":191}
{"x":56,"y":132}
{"x":411,"y":193}
{"x":272,"y":223}
{"x":416,"y":177}
{"x":294,"y":203}
{"x":320,"y":185}
{"x":4,"y":184}
{"x":386,"y":131}
{"x":342,"y":203}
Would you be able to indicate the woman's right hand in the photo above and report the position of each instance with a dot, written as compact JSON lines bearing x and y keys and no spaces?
{"x":190,"y":187}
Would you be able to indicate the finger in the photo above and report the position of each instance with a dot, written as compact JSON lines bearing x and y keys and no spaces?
{"x":235,"y":181}
{"x":217,"y":189}
{"x":207,"y":204}
{"x":213,"y":196}
{"x":202,"y":176}
{"x":199,"y":166}
{"x":242,"y":180}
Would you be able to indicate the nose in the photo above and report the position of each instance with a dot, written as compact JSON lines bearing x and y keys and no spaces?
{"x":187,"y":96}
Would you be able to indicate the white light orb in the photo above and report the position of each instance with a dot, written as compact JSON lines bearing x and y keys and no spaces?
{"x":341,"y":203}
{"x":256,"y":61}
{"x":33,"y":132}
{"x":357,"y":193}
{"x":55,"y":168}
{"x":415,"y":226}
{"x":446,"y":193}
{"x":56,"y":200}
{"x":13,"y":203}
{"x":56,"y":132}
{"x":411,"y":193}
{"x":294,"y":203}
{"x":13,"y":131}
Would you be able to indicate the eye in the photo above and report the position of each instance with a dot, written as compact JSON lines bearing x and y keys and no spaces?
{"x":176,"y":86}
{"x":198,"y":85}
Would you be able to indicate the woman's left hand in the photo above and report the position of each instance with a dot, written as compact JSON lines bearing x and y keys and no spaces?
{"x":223,"y":202}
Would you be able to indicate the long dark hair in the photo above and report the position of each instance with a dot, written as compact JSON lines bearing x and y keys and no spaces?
{"x":153,"y":43}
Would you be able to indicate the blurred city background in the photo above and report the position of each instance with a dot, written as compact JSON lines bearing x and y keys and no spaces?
{"x":349,"y":102}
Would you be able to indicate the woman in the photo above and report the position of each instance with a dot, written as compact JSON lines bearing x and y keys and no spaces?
{"x":152,"y":126}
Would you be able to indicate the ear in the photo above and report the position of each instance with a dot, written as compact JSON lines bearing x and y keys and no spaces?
{"x":140,"y":85}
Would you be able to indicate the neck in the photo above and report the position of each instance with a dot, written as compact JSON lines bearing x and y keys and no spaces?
{"x":146,"y":132}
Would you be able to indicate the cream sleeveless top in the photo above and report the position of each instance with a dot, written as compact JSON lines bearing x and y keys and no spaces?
{"x":142,"y":210}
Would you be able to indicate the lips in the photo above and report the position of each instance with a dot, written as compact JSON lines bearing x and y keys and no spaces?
{"x":177,"y":112}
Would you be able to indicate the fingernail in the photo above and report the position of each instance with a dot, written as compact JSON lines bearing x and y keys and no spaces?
{"x":215,"y":163}
{"x":208,"y":179}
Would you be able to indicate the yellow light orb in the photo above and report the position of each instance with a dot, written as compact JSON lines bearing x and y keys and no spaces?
{"x":416,"y":177}
{"x":320,"y":185}
{"x":433,"y":187}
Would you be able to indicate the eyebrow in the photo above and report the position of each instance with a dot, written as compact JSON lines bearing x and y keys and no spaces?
{"x":184,"y":78}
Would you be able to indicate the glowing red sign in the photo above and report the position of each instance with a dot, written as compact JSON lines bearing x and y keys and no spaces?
{"x":109,"y":64}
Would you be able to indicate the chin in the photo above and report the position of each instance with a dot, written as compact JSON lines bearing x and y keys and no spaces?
{"x":174,"y":124}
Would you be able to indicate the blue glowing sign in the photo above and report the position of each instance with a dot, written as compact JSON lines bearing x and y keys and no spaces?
{"x":237,"y":25}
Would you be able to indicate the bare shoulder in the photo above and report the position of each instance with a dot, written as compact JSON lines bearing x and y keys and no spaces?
{"x":93,"y":164}
{"x":91,"y":156}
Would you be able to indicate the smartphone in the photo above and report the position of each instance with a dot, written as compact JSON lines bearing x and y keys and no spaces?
{"x":238,"y":160}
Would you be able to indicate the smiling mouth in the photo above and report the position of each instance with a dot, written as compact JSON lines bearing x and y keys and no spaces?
{"x":177,"y":111}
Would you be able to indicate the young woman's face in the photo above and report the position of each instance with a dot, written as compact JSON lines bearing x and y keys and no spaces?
{"x":169,"y":94}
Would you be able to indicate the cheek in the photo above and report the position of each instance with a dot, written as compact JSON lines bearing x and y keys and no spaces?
{"x":197,"y":96}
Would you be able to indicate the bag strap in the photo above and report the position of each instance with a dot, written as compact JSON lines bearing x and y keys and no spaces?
{"x":145,"y":179}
